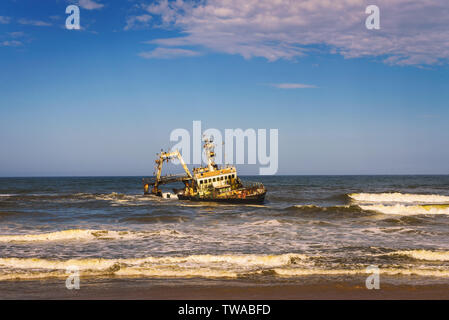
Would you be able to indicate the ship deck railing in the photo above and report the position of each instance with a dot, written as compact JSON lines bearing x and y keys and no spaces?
{"x":251,"y":185}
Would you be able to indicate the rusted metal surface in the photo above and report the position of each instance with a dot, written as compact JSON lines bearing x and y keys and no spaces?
{"x":209,"y":183}
{"x":167,"y":156}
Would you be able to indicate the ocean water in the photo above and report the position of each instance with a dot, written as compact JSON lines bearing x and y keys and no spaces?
{"x":308,"y":226}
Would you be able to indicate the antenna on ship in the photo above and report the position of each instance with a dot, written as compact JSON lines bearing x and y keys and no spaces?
{"x":210,"y":154}
{"x":224,"y":153}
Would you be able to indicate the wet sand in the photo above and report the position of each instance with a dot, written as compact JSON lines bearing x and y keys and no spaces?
{"x":151,"y":290}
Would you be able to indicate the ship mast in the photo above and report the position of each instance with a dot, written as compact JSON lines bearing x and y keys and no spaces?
{"x":209,"y":147}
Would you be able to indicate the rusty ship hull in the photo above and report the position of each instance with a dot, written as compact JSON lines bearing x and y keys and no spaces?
{"x":250,"y":199}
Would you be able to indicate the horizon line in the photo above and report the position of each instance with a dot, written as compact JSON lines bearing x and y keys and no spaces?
{"x":243,"y":175}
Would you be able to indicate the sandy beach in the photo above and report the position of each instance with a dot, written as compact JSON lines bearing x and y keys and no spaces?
{"x":144,"y":289}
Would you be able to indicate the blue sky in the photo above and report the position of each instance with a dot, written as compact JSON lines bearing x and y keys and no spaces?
{"x":103,"y":100}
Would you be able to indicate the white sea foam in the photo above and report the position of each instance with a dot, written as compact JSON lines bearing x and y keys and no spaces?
{"x":242,"y":260}
{"x":187,"y":266}
{"x":169,"y":195}
{"x":118,"y":199}
{"x":87,"y":235}
{"x":401,"y":209}
{"x":311,"y":206}
{"x":424,"y":254}
{"x":294,"y":272}
{"x":206,"y":266}
{"x":399,"y":197}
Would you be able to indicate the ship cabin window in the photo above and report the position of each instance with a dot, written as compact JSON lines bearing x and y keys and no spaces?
{"x":201,"y":181}
{"x":209,"y":180}
{"x":215,"y":179}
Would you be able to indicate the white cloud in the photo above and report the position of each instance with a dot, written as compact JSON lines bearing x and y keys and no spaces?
{"x":168,"y":53}
{"x":37,"y":23}
{"x":5,"y":20}
{"x":412,"y":32}
{"x":292,"y":86}
{"x":134,"y":22}
{"x":90,"y":4}
{"x":16,"y":34}
{"x":11,"y":43}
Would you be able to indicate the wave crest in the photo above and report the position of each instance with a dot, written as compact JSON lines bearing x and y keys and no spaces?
{"x":382,"y":271}
{"x":205,"y":266}
{"x":188,"y":266}
{"x":399,"y":197}
{"x":424,"y":255}
{"x":401,"y":209}
{"x":87,"y":234}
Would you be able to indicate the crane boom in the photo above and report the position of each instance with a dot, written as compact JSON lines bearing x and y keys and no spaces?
{"x":168,"y":156}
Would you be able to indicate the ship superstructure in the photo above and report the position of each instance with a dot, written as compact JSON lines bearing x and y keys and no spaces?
{"x":208,"y":183}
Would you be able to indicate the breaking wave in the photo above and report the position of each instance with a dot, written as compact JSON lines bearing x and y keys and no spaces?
{"x":204,"y":266}
{"x":88,"y":235}
{"x":215,"y":266}
{"x":366,"y":209}
{"x":402,"y":203}
{"x":401,"y":209}
{"x":399,"y":197}
{"x":383,"y":271}
{"x":424,"y":255}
